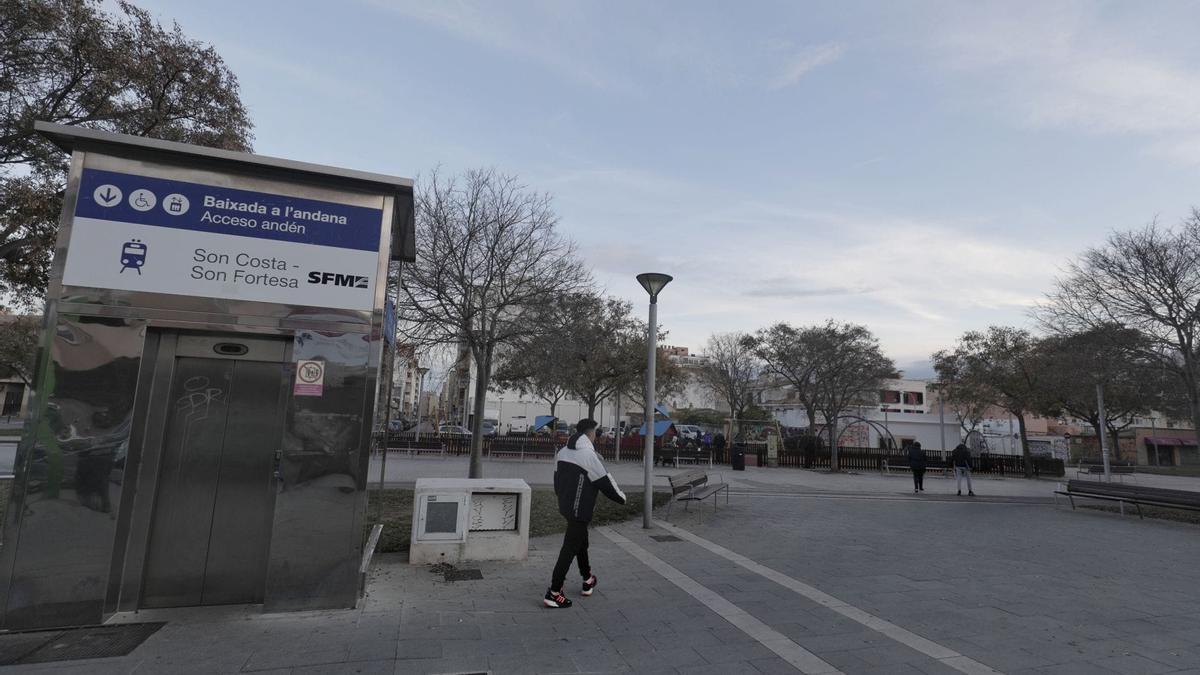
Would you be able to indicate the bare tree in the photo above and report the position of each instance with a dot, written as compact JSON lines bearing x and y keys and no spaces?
{"x":601,"y":343}
{"x":849,"y":370}
{"x":536,"y":364}
{"x":788,"y":352}
{"x":1002,"y":364}
{"x":669,"y":378}
{"x":1146,"y":280}
{"x":72,"y":62}
{"x":489,"y":259}
{"x":730,"y":372}
{"x":1106,"y":357}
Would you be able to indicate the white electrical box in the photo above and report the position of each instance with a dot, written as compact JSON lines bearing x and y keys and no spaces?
{"x":457,"y":519}
{"x":442,"y":517}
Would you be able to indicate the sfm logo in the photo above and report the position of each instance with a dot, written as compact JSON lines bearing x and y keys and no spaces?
{"x":326,"y":278}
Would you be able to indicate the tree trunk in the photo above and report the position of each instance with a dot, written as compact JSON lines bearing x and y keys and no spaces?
{"x":1096,"y":427}
{"x":592,"y":409}
{"x":833,"y":450}
{"x":483,"y":372}
{"x":1025,"y":447}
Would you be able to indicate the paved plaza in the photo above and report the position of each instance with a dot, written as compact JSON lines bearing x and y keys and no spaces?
{"x":785,"y":579}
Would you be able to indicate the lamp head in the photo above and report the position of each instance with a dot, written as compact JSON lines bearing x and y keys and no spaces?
{"x":654,"y":282}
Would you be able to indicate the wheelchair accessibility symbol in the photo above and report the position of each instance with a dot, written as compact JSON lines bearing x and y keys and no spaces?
{"x":133,"y":256}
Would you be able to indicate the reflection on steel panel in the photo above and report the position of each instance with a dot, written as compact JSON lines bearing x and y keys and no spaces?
{"x":322,"y":494}
{"x":58,"y":538}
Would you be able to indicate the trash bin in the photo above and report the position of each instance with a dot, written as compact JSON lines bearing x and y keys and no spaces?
{"x":737,"y":457}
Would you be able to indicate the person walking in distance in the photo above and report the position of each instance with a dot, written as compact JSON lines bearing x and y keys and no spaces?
{"x":916,"y":462}
{"x":961,"y":459}
{"x":578,"y":476}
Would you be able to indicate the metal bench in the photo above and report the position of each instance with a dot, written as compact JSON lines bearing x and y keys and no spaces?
{"x":888,"y":468}
{"x":693,"y":455}
{"x":1119,"y":470}
{"x":1132,"y":494}
{"x":693,"y":486}
{"x":523,"y":454}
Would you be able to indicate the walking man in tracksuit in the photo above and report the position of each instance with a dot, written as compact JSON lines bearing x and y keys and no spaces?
{"x":961,"y":458}
{"x":578,"y":476}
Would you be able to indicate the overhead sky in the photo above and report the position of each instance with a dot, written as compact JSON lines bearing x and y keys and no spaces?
{"x":924,"y":168}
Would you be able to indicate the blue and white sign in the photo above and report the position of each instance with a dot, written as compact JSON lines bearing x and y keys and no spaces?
{"x":142,"y":233}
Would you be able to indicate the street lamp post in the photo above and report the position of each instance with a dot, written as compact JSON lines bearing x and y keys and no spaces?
{"x":420,"y":398}
{"x":654,"y":283}
{"x":1103,"y":435}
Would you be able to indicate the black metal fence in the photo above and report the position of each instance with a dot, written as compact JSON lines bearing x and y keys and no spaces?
{"x":873,"y":459}
{"x":791,"y":455}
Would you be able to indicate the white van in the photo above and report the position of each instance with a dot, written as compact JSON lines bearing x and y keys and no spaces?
{"x":689,"y":432}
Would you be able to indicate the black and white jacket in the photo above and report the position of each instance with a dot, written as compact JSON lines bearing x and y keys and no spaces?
{"x":578,"y":476}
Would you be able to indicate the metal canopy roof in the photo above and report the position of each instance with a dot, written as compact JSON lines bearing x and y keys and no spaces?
{"x":71,"y":138}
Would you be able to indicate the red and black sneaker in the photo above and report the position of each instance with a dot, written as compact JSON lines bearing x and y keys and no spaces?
{"x":589,"y":585}
{"x":556,"y":600}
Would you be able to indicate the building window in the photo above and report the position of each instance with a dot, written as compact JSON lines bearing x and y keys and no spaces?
{"x":914,"y":398}
{"x":889,"y":396}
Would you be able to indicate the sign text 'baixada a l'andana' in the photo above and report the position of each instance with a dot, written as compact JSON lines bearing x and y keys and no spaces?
{"x":144,"y":233}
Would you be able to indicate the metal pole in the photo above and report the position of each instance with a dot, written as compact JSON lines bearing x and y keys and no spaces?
{"x":887,"y":443}
{"x":617,"y":424}
{"x":1103,"y":435}
{"x":942,"y":422}
{"x":420,"y":398}
{"x":648,"y":458}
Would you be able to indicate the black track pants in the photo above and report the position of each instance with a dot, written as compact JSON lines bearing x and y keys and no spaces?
{"x":575,"y":545}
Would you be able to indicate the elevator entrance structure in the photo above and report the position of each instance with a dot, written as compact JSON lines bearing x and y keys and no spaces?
{"x":206,"y":384}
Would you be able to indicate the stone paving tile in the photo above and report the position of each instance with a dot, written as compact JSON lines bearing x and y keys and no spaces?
{"x":1075,"y":668}
{"x":1132,"y":664}
{"x":736,"y":668}
{"x":420,"y":649}
{"x":377,"y":667}
{"x":450,"y":665}
{"x":273,"y":658}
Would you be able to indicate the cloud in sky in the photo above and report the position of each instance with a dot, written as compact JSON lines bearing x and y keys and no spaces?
{"x":1062,"y":65}
{"x":740,"y":263}
{"x":807,"y":60}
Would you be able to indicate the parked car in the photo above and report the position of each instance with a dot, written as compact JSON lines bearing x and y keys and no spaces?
{"x":490,"y":427}
{"x":518,"y":425}
{"x":689,"y":432}
{"x":454,"y":430}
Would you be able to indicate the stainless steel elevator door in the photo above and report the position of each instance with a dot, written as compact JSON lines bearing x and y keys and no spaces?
{"x":215,"y":499}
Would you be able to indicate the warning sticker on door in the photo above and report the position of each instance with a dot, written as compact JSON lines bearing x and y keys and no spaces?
{"x":310,"y":378}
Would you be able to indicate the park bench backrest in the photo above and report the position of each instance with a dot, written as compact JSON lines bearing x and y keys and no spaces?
{"x":686,"y":481}
{"x":1163,"y":495}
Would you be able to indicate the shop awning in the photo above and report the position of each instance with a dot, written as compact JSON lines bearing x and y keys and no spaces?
{"x":1166,"y":440}
{"x":660,"y":428}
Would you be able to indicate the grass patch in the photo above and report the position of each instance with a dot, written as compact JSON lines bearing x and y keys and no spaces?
{"x":1155,"y":512}
{"x":543,"y":514}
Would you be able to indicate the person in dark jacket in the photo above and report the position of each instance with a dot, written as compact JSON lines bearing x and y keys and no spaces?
{"x":961,"y":459}
{"x":916,"y":462}
{"x":578,"y":477}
